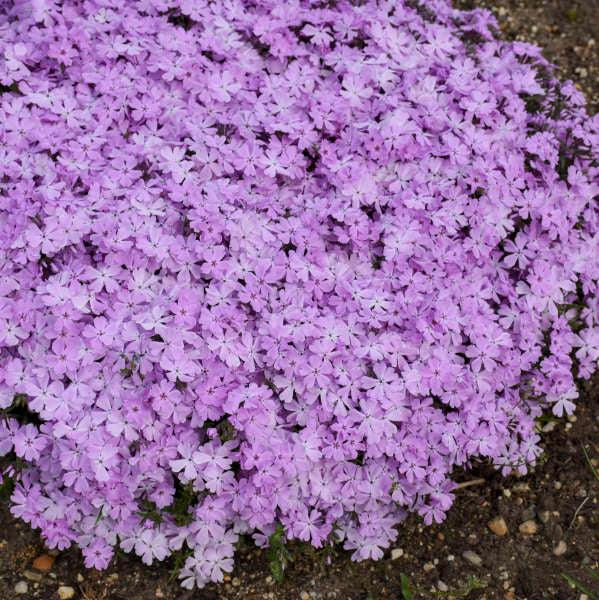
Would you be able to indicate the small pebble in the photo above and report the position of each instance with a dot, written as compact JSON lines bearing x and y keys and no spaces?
{"x":236,"y":582}
{"x":32,"y":575}
{"x":396,"y":553}
{"x":442,"y":587}
{"x":428,"y":566}
{"x":43,"y":563}
{"x":473,"y":558}
{"x":65,"y":592}
{"x":528,"y":514}
{"x":21,"y":587}
{"x":521,"y":487}
{"x":560,"y":549}
{"x":544,"y":515}
{"x":498,"y":526}
{"x":79,"y":578}
{"x":529,"y":527}
{"x":305,"y":596}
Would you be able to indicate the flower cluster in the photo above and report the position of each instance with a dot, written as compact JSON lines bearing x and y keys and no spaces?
{"x":273,"y":263}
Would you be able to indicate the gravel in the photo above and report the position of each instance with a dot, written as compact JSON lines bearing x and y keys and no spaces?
{"x":66,"y":592}
{"x":498,"y":526}
{"x":396,"y":553}
{"x":561,"y":548}
{"x":473,"y":558}
{"x":529,"y":527}
{"x":21,"y":587}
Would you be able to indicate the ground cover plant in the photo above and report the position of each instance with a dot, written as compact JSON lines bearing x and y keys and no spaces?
{"x":275,"y":266}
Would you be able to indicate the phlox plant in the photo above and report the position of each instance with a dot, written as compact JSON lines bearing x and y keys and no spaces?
{"x":280,"y":265}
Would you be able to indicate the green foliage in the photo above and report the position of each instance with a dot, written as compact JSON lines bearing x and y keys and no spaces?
{"x":13,"y":87}
{"x":19,"y":410}
{"x":131,"y":364}
{"x":581,"y":587}
{"x":406,"y":587}
{"x":180,"y":556}
{"x":7,"y":486}
{"x":408,"y":591}
{"x":593,"y":470}
{"x":185,"y":498}
{"x":278,"y":554}
{"x":150,"y":511}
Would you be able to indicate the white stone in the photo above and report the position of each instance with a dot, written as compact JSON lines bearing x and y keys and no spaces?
{"x":528,"y":527}
{"x":560,"y":549}
{"x":473,"y":558}
{"x":66,"y":592}
{"x":21,"y":587}
{"x":396,"y":553}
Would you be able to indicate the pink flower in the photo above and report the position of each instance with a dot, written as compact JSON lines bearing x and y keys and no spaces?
{"x":97,"y":554}
{"x":28,"y":443}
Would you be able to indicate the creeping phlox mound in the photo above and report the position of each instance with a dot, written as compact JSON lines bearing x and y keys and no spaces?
{"x":280,"y":264}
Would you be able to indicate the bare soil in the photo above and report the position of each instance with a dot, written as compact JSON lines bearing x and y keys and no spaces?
{"x":560,"y":496}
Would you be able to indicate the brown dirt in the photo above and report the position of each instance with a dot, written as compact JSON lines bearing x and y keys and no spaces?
{"x":560,"y":495}
{"x":567,"y":30}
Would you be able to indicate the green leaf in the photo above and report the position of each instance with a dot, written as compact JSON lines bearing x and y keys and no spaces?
{"x":474,"y":584}
{"x":590,"y":464}
{"x":579,"y":586}
{"x":8,"y":485}
{"x":592,"y":573}
{"x":406,"y":588}
{"x":276,"y":569}
{"x":276,"y":539}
